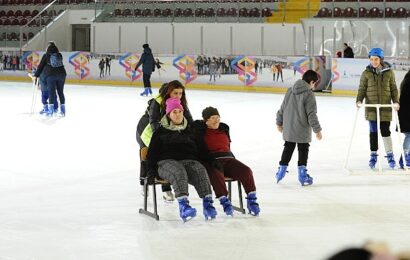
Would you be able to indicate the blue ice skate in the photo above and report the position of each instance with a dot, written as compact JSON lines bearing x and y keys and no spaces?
{"x":252,"y":205}
{"x":373,"y":159}
{"x":50,"y":110}
{"x":304,"y":178}
{"x":209,"y":209}
{"x":186,"y":212}
{"x":144,"y":93}
{"x":282,"y":170}
{"x":149,"y":91}
{"x":62,"y":109}
{"x":227,"y":205}
{"x":44,"y":110}
{"x":406,"y":158}
{"x":390,"y":160}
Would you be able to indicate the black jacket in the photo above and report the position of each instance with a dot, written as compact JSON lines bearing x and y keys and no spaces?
{"x":45,"y":67}
{"x":199,"y":128}
{"x":404,"y":111}
{"x":147,"y":61}
{"x":169,"y":144}
{"x":348,"y":53}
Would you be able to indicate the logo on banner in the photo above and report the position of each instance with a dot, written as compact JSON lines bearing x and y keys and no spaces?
{"x":335,"y":73}
{"x":79,"y":61}
{"x":186,"y":67}
{"x":31,"y":59}
{"x":245,"y":67}
{"x":128,"y":61}
{"x":301,"y":65}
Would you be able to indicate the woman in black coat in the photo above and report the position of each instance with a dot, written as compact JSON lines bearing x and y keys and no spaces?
{"x":404,"y":117}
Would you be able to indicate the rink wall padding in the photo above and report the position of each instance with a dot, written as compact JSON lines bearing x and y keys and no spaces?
{"x":235,"y":73}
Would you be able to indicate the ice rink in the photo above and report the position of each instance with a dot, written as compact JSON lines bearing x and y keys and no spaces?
{"x":69,"y":187}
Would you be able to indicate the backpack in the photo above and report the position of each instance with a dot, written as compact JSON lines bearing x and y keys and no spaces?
{"x":56,"y":60}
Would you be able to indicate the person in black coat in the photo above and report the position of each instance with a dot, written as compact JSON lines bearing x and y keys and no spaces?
{"x":348,"y":51}
{"x":148,"y":66}
{"x":173,"y":154}
{"x":404,"y":117}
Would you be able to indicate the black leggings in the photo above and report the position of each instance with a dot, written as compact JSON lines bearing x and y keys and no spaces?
{"x":289,"y":147}
{"x":384,"y":129}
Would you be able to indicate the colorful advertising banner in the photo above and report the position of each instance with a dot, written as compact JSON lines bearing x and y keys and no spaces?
{"x":128,"y":61}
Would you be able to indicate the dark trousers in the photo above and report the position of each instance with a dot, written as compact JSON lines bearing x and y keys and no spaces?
{"x":384,"y":129}
{"x":232,"y":168}
{"x":146,"y":78}
{"x":45,"y":94}
{"x":56,"y":82}
{"x":289,"y":147}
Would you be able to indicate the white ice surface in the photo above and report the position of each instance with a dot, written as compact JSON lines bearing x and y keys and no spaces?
{"x":69,"y":187}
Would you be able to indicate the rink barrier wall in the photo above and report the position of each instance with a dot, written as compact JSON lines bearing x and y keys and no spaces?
{"x":113,"y":83}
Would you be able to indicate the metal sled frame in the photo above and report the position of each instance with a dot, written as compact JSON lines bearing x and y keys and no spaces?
{"x":395,"y":116}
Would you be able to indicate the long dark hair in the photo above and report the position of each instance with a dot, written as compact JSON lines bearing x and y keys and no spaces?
{"x":166,"y":92}
{"x":52,"y":48}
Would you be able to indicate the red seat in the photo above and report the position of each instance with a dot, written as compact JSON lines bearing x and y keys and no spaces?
{"x":188,"y":12}
{"x":34,"y":13}
{"x":375,"y":12}
{"x":388,"y":12}
{"x":157,"y":12}
{"x":2,"y":13}
{"x":23,"y":21}
{"x":178,"y":12}
{"x":137,"y":12}
{"x":220,"y":12}
{"x":254,"y":12}
{"x":126,"y":12}
{"x":10,"y":13}
{"x":167,"y":12}
{"x":337,"y":12}
{"x":30,"y":35}
{"x":18,"y":13}
{"x":6,"y":21}
{"x":266,"y":12}
{"x":146,"y":12}
{"x":15,"y":21}
{"x":210,"y":12}
{"x":199,"y":12}
{"x":243,"y":12}
{"x":232,"y":12}
{"x":117,"y":12}
{"x":401,"y":12}
{"x":362,"y":12}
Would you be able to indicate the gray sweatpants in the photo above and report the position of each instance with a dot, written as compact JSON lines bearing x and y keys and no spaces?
{"x":180,"y":173}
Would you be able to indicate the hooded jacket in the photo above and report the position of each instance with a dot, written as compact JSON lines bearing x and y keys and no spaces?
{"x":378,"y":87}
{"x":147,"y":61}
{"x":298,"y":114}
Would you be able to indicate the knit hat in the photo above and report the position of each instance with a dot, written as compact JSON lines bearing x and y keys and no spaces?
{"x":171,"y":104}
{"x":208,"y":112}
{"x":145,"y":45}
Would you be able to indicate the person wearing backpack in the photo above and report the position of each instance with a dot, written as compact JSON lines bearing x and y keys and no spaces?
{"x":52,"y":66}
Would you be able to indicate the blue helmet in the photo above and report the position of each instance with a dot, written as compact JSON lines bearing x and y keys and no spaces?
{"x":377,"y":52}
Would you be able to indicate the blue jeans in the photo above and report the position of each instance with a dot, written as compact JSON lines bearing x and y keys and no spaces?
{"x":406,"y":143}
{"x":56,"y":83}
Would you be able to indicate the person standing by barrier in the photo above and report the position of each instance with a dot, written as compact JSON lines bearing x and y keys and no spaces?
{"x":378,"y":86}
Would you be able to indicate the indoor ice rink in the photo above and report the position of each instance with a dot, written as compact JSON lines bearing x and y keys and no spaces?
{"x":69,"y":186}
